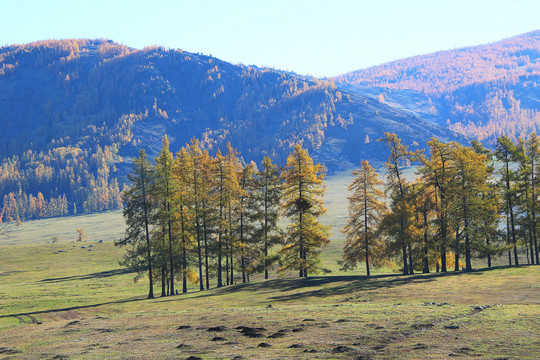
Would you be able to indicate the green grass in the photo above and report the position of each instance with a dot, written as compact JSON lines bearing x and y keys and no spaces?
{"x":90,"y":308}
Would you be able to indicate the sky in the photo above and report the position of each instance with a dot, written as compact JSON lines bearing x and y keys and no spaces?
{"x":309,"y":37}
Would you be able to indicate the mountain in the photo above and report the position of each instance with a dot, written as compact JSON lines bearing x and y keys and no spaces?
{"x":479,"y":92}
{"x":74,"y":112}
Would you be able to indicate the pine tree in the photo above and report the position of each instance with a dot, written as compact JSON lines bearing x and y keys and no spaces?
{"x":302,"y":204}
{"x":365,"y":215}
{"x":137,"y":209}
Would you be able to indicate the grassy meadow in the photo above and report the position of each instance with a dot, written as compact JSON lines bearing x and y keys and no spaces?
{"x":62,"y":301}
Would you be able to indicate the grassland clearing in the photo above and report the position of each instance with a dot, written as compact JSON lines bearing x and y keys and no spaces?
{"x":63,"y":301}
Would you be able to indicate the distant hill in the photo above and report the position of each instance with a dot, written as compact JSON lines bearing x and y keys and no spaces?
{"x":480,"y":92}
{"x":74,"y":112}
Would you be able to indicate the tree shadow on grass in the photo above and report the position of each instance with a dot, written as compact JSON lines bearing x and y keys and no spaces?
{"x":324,"y":286}
{"x":101,"y":274}
{"x":71,"y":308}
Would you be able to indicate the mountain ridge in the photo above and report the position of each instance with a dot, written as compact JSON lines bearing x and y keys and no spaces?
{"x":73,"y":109}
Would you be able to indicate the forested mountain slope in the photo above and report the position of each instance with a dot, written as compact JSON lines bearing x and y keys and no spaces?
{"x":480,"y":92}
{"x":73,"y":111}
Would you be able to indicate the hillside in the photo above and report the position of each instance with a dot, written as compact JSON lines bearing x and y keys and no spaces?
{"x":480,"y":92}
{"x":74,"y":112}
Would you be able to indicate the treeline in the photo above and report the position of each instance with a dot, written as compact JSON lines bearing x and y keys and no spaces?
{"x":194,"y":217}
{"x":62,"y":181}
{"x":466,"y":203}
{"x":482,"y":92}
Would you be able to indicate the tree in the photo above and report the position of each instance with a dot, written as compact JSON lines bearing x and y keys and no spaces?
{"x":468,"y":205}
{"x":182,"y":173}
{"x":162,"y":190}
{"x":532,"y":162}
{"x":193,"y":177}
{"x":397,"y":185}
{"x":269,"y":198}
{"x":80,"y":234}
{"x":302,"y":204}
{"x":506,"y":152}
{"x":137,"y":208}
{"x":437,"y":172}
{"x":365,"y":214}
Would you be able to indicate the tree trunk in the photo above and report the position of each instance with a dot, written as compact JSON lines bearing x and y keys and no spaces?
{"x":171,"y":264}
{"x":206,"y":269}
{"x":366,"y":227}
{"x":403,"y":247}
{"x":220,"y":231}
{"x":411,"y":264}
{"x":148,"y":253}
{"x":184,"y":253}
{"x":489,"y":253}
{"x":456,"y":251}
{"x":533,"y":213}
{"x":231,"y":245}
{"x":265,"y":226}
{"x":163,"y":281}
{"x":242,"y":241}
{"x":198,"y":226}
{"x":426,"y":260}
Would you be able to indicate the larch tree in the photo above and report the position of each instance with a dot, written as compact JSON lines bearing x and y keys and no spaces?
{"x":471,"y":181}
{"x":182,"y":172}
{"x":269,"y":197}
{"x":437,"y":171}
{"x":302,"y":204}
{"x":506,"y":153}
{"x":397,"y":186}
{"x":233,"y":195}
{"x":365,"y":214}
{"x":246,"y":241}
{"x":532,"y":162}
{"x":207,"y":206}
{"x":193,"y":178}
{"x":137,"y":209}
{"x":163,"y":189}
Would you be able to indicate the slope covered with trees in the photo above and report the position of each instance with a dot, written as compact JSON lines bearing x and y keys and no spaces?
{"x":75,"y":112}
{"x":481,"y":92}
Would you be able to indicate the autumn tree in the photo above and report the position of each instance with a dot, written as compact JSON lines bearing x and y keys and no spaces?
{"x":137,"y":209}
{"x":506,"y":152}
{"x":162,"y":190}
{"x":182,"y":198}
{"x":267,"y":200}
{"x":365,"y":213}
{"x":530,"y":166}
{"x":397,"y":186}
{"x":81,"y":236}
{"x":192,"y":176}
{"x":469,"y":208}
{"x":302,"y":204}
{"x":437,"y":172}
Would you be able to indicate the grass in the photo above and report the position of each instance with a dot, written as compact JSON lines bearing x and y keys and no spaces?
{"x":59,"y":300}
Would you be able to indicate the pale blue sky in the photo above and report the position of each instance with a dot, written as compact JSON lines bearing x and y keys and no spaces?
{"x":321,"y":38}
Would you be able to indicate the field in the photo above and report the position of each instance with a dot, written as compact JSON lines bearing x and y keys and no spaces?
{"x":62,"y":301}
